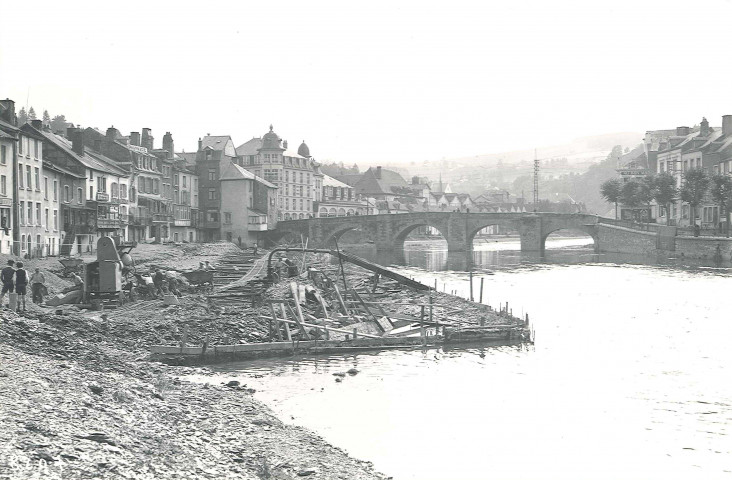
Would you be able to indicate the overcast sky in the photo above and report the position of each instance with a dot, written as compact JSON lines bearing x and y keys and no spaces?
{"x":371,"y":82}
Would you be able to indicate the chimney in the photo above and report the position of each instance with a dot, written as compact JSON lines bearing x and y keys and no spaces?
{"x":726,"y":125}
{"x":415,"y":180}
{"x":284,"y":144}
{"x":7,"y":113}
{"x":135,"y":138}
{"x":168,"y":144}
{"x":77,"y":140}
{"x":378,"y":172}
{"x":112,"y":134}
{"x":37,"y":124}
{"x":704,"y":128}
{"x":147,"y":139}
{"x":200,"y":144}
{"x":682,"y":131}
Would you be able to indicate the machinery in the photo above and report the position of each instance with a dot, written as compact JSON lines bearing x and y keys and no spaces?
{"x":103,"y":278}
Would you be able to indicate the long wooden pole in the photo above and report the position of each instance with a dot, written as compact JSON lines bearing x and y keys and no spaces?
{"x":481,"y":289}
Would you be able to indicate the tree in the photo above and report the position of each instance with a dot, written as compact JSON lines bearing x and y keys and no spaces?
{"x":611,"y":190}
{"x":46,"y":118}
{"x":721,"y":191}
{"x":665,"y":191}
{"x":58,"y":124}
{"x":632,"y":194}
{"x":354,"y":168}
{"x":31,"y":114}
{"x":22,"y":116}
{"x":695,"y":185}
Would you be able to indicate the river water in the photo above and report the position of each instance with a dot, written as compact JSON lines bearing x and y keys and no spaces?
{"x":628,"y":377}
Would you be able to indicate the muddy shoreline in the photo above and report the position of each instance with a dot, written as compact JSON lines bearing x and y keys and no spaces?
{"x":81,"y":398}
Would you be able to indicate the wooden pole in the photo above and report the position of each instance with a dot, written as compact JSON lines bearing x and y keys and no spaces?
{"x":298,"y":310}
{"x":481,"y":289}
{"x":471,"y":284}
{"x":340,"y":299}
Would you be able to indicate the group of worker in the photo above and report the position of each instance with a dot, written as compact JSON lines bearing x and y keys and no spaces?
{"x":15,"y":279}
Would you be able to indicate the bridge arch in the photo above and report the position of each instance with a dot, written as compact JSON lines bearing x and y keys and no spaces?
{"x":336,"y":234}
{"x":403,"y":232}
{"x":587,"y":230}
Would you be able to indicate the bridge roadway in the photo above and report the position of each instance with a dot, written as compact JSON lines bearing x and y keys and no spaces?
{"x":388,"y":231}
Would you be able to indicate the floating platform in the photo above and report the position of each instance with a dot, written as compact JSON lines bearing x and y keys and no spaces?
{"x":178,"y":355}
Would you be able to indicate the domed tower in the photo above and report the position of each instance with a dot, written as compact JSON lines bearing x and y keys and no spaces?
{"x":271,"y":141}
{"x":303,"y":150}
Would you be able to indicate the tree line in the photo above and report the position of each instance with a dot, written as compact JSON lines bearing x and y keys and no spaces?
{"x":57,"y":124}
{"x":696,"y":186}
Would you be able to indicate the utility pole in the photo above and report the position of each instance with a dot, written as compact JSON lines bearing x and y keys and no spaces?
{"x":536,"y":180}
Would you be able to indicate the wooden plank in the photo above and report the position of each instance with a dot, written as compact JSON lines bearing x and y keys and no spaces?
{"x":385,"y":324}
{"x":298,"y":311}
{"x":339,"y":330}
{"x":340,"y":299}
{"x":276,"y":322}
{"x":363,"y":304}
{"x":287,"y":326}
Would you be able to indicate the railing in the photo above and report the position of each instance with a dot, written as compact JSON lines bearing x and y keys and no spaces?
{"x":162,"y":217}
{"x":702,"y":232}
{"x":645,"y":227}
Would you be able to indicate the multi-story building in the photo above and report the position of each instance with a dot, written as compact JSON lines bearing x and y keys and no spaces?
{"x":89,"y":195}
{"x":214,"y":155}
{"x":247,"y":205}
{"x":8,"y":139}
{"x":296,"y":174}
{"x":142,"y":212}
{"x":338,"y":199}
{"x":185,"y":202}
{"x":688,"y":149}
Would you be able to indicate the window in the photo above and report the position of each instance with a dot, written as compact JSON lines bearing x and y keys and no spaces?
{"x":55,"y":190}
{"x":156,"y":186}
{"x":21,"y":210}
{"x":227,"y":218}
{"x":35,"y":149}
{"x":133,"y":194}
{"x":115,"y":190}
{"x":28,"y":176}
{"x":211,"y":174}
{"x":20,"y":146}
{"x":3,"y":154}
{"x":122,"y":191}
{"x":3,"y":185}
{"x":38,"y":178}
{"x":212,"y":194}
{"x":30,"y":213}
{"x":55,"y":219}
{"x":46,"y":224}
{"x":38,"y":213}
{"x":45,"y":188}
{"x":91,"y":192}
{"x":184,"y":180}
{"x":67,"y":194}
{"x":20,"y":176}
{"x":101,"y":184}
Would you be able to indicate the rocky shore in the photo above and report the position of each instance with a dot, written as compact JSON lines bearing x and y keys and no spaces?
{"x":79,"y":397}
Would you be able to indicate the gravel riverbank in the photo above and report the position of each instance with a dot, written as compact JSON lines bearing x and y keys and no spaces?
{"x":80,"y":399}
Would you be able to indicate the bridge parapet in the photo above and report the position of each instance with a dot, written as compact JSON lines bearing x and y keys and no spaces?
{"x":459,"y":229}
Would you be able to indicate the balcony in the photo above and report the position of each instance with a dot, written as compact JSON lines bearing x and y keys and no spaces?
{"x":182,"y":223}
{"x":161,"y":218}
{"x":108,"y":223}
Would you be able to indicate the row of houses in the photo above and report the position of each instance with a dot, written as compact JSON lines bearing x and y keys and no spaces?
{"x":59,"y":191}
{"x":675,"y":151}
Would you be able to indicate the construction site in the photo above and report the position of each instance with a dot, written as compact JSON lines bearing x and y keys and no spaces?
{"x":97,"y":379}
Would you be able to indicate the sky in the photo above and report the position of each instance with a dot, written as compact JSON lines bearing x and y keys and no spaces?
{"x":376,"y":81}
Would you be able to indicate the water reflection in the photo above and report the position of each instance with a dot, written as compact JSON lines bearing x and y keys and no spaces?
{"x":507,"y":254}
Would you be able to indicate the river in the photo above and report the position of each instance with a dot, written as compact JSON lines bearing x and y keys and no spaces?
{"x":628,"y":377}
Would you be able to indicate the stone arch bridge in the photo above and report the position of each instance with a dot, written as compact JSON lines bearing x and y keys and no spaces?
{"x":459,"y":229}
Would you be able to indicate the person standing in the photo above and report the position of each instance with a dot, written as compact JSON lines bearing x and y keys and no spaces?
{"x":6,"y":277}
{"x":37,"y":286}
{"x":21,"y":282}
{"x":158,"y":282}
